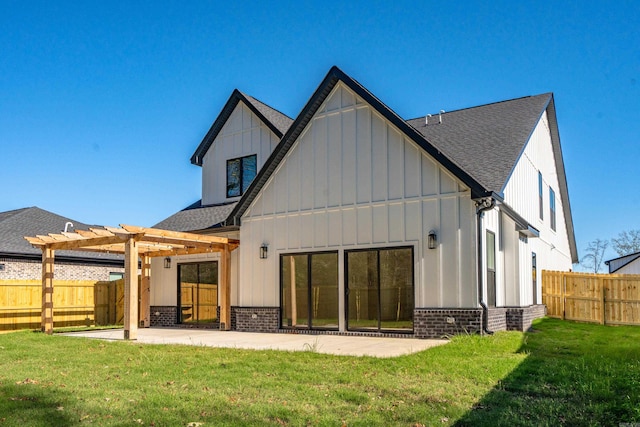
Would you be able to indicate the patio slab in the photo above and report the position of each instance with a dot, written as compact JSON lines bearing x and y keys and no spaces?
{"x":328,"y":344}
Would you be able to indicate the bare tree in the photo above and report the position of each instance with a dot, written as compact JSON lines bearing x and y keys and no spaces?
{"x":595,"y":255}
{"x":628,"y":242}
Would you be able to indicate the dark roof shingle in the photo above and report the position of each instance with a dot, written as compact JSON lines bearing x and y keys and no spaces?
{"x":197,"y":217}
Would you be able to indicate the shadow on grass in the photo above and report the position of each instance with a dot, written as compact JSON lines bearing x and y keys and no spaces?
{"x":574,"y":375}
{"x":31,"y":404}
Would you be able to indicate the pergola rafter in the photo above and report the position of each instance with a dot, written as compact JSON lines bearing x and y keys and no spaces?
{"x":133,"y":242}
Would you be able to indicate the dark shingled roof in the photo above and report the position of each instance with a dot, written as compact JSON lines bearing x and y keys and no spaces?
{"x":16,"y":224}
{"x":485,"y":141}
{"x":197,"y":217}
{"x":272,"y":118}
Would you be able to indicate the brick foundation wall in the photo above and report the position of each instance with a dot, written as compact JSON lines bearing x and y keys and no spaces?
{"x":32,"y":270}
{"x":438,"y":323}
{"x":256,"y":319}
{"x":520,"y":318}
{"x":163,"y":315}
{"x":497,"y":319}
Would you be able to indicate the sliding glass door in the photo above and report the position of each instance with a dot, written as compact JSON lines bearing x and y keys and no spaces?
{"x":379,"y":289}
{"x":198,"y":292}
{"x":309,"y":290}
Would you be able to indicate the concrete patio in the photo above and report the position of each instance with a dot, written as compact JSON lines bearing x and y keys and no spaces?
{"x":328,"y":344}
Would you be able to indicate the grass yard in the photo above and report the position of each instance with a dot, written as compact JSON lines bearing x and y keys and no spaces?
{"x":562,"y":374}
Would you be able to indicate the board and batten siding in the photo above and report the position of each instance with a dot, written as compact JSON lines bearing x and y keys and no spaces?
{"x":242,"y":135}
{"x":521,"y":193}
{"x":353,"y":180}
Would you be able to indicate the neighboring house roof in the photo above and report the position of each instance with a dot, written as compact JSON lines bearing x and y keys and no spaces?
{"x":32,"y":221}
{"x":617,"y":263}
{"x":272,"y":118}
{"x":197,"y":217}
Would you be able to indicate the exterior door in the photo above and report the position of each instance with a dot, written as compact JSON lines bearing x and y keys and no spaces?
{"x":309,"y":290}
{"x":379,"y":289}
{"x":198,"y":292}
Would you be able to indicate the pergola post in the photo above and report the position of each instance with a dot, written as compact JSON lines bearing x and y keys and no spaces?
{"x":145,"y":290}
{"x":225,"y":289}
{"x":47,"y":290}
{"x":130,"y":289}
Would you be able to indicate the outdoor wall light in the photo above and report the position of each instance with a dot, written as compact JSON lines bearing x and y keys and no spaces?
{"x":432,"y":239}
{"x":264,"y":251}
{"x":167,"y":262}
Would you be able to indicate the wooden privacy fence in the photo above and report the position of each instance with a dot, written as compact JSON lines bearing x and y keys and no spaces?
{"x":75,"y":303}
{"x":608,"y":299}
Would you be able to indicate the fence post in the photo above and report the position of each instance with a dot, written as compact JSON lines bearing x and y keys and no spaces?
{"x":602,"y":300}
{"x":563,"y":284}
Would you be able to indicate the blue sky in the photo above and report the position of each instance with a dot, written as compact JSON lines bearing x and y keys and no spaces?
{"x":103,"y":103}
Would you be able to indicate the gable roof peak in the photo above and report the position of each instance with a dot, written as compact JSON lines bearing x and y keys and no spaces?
{"x":276,"y":121}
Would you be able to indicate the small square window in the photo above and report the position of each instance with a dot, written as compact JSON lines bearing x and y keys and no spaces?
{"x":1,"y":267}
{"x":240,"y":174}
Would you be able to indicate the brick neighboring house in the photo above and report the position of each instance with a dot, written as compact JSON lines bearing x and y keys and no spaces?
{"x":21,"y":261}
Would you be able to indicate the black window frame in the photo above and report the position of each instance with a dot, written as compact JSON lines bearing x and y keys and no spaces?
{"x":179,"y":320}
{"x":309,"y":325}
{"x":241,"y":178}
{"x":346,"y":289}
{"x":492,"y":288}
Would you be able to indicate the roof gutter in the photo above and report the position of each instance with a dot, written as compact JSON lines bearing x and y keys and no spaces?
{"x":482,"y":205}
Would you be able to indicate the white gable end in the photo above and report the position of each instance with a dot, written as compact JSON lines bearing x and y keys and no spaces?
{"x":352,"y":180}
{"x":243,"y":134}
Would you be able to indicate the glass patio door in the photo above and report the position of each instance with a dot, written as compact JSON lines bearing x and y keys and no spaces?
{"x":309,"y":290}
{"x":379,"y":288}
{"x":198,"y":292}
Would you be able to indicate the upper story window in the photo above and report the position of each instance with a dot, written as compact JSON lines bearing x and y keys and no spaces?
{"x":540,"y":203}
{"x":240,"y":173}
{"x":552,"y":208}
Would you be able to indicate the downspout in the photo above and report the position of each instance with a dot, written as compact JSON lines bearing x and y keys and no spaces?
{"x":483,"y":205}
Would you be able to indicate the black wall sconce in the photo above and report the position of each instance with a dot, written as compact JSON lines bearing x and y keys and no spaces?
{"x":167,"y":262}
{"x":432,"y":239}
{"x":264,"y":251}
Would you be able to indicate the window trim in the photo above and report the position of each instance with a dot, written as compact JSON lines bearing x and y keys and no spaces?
{"x":346,"y":289}
{"x":309,"y":255}
{"x":552,"y":208}
{"x":540,"y":196}
{"x":241,"y":177}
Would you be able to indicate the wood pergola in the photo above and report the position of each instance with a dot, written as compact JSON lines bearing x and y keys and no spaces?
{"x":134,"y":242}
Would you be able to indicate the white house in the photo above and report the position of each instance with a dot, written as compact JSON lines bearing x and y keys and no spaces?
{"x":627,"y":264}
{"x":354,"y":220}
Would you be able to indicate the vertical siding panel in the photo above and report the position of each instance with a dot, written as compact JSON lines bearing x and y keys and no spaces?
{"x":429,"y":176}
{"x":335,"y":227}
{"x":447,"y":183}
{"x":411,"y":169}
{"x":280,"y":184}
{"x":349,"y":226}
{"x":380,"y":223}
{"x":395,"y":165}
{"x":335,"y":160}
{"x":379,"y":158}
{"x":293,"y":227}
{"x":431,"y":272}
{"x":396,"y":222}
{"x":281,"y":232}
{"x":293,"y":180}
{"x":306,"y":171}
{"x":306,"y":230}
{"x":267,"y":196}
{"x":448,"y":245}
{"x":349,"y":157}
{"x":320,"y":229}
{"x":364,"y":225}
{"x":363,"y":155}
{"x":320,"y":162}
{"x":468,"y":252}
{"x":413,"y":223}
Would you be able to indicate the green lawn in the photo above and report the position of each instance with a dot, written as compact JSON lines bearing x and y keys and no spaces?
{"x":563,"y":373}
